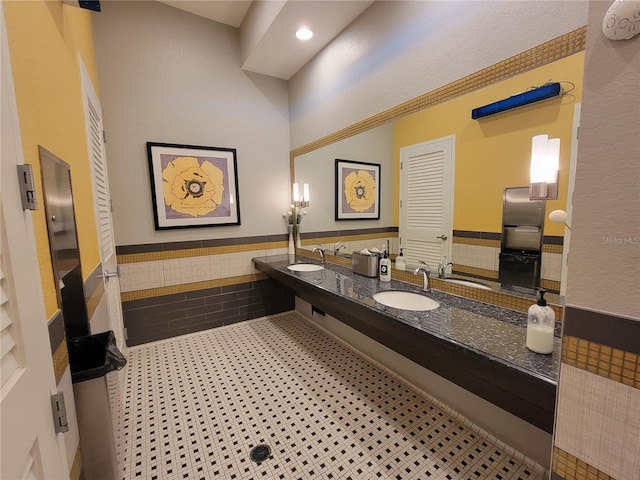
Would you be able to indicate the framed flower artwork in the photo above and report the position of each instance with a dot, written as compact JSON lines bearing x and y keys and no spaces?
{"x":193,"y":186}
{"x":357,"y":190}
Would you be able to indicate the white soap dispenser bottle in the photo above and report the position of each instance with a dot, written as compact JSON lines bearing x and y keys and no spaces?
{"x":385,"y":268}
{"x":540,"y":325}
{"x":401,"y":263}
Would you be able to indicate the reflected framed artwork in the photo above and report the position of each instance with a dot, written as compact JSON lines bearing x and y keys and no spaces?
{"x":193,"y":186}
{"x":357,"y":190}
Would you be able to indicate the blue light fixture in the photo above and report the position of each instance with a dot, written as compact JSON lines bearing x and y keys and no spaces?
{"x":541,"y":93}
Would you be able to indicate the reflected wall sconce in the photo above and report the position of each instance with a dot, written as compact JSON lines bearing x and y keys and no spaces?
{"x":545,"y":163}
{"x":301,"y":201}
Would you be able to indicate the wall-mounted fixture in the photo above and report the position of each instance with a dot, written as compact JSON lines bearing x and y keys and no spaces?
{"x":545,"y":163}
{"x":93,"y":5}
{"x":622,"y":20}
{"x":301,"y":201}
{"x":559,"y":216}
{"x":549,"y":90}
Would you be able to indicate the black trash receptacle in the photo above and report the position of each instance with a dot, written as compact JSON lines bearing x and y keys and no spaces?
{"x":92,"y":358}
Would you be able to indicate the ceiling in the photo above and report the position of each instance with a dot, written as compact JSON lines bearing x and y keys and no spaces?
{"x":267,"y":28}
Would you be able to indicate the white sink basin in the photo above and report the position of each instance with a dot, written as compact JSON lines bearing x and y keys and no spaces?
{"x":406,"y":300}
{"x":305,"y":267}
{"x":467,"y":283}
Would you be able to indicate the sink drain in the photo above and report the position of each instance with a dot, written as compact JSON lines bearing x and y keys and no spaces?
{"x":260,"y":453}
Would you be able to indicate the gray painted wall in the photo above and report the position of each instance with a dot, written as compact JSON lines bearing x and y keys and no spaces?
{"x":604,"y":263}
{"x":169,"y":76}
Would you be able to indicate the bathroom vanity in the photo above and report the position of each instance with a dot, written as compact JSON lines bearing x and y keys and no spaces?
{"x":478,"y":346}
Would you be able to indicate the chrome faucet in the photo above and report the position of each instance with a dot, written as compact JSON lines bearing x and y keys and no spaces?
{"x":442,"y":267}
{"x":426,"y":270}
{"x":320,"y":249}
{"x":337,"y":247}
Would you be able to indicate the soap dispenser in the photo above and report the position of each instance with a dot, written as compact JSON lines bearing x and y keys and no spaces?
{"x":385,"y":268}
{"x":540,"y":325}
{"x":401,"y":263}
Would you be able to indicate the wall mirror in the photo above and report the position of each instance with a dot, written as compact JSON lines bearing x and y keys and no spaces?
{"x":490,"y":155}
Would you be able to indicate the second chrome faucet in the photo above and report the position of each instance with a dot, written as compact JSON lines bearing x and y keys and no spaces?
{"x":320,"y":249}
{"x":425,"y":270}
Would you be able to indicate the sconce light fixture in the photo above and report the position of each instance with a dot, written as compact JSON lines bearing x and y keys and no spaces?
{"x":622,"y":20}
{"x":301,"y":201}
{"x":545,"y":163}
{"x":559,"y":216}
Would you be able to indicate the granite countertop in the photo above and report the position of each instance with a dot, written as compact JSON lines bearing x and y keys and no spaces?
{"x":490,"y":332}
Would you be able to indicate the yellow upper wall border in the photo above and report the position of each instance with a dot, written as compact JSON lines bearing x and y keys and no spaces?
{"x":555,"y":49}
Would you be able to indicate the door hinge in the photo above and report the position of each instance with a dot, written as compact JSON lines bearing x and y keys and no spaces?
{"x":126,"y":333}
{"x":59,"y":410}
{"x":111,"y":205}
{"x":27,"y":187}
{"x":104,"y":136}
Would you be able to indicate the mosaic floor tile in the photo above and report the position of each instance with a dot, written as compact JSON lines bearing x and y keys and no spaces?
{"x":195,"y":406}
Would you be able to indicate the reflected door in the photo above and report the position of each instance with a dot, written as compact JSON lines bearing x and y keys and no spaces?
{"x":426,"y":192}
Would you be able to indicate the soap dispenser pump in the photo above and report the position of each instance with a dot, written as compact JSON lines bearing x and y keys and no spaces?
{"x":385,"y":268}
{"x":540,"y":325}
{"x":401,"y":263}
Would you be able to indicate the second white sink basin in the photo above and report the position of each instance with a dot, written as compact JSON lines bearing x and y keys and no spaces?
{"x":305,"y":267}
{"x":468,"y":283}
{"x":406,"y":300}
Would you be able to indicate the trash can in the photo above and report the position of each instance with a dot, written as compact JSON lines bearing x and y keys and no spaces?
{"x":94,"y":359}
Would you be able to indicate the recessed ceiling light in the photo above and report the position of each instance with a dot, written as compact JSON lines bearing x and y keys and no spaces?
{"x":304,"y":33}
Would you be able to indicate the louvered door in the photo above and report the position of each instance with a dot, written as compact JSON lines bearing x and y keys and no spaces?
{"x":102,"y":206}
{"x":426,"y":190}
{"x":30,"y":448}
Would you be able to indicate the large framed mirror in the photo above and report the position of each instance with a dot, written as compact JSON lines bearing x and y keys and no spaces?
{"x":490,"y":155}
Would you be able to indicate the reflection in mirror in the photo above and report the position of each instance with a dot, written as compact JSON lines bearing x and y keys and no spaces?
{"x":491,"y":154}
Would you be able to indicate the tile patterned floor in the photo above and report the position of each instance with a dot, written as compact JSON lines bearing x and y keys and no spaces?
{"x":195,"y":407}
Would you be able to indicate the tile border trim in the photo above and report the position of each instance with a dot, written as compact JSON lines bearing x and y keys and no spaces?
{"x":565,"y":466}
{"x":602,"y":360}
{"x":190,"y":287}
{"x":56,"y":331}
{"x":196,"y":244}
{"x":60,"y":361}
{"x":76,"y":468}
{"x":603,"y":328}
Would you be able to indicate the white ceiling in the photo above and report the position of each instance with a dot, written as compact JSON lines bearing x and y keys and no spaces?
{"x":274,"y":50}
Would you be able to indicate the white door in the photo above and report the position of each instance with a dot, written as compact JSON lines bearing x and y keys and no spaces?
{"x":426,"y":201}
{"x":102,"y":205}
{"x":30,"y":447}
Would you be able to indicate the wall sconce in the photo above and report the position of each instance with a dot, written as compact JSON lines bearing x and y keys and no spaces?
{"x":559,"y":216}
{"x":621,"y":20}
{"x":545,"y":163}
{"x":299,"y":201}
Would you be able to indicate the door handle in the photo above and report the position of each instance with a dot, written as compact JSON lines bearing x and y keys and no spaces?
{"x":106,"y":274}
{"x":442,"y":237}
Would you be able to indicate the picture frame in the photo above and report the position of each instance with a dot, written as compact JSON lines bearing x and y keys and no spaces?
{"x":193,"y":186}
{"x":357,"y":190}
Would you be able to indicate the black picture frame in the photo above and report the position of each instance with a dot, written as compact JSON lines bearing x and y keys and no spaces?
{"x":193,"y":185}
{"x":357,"y":190}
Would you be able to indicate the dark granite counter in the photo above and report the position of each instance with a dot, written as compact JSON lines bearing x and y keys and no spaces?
{"x":478,"y":346}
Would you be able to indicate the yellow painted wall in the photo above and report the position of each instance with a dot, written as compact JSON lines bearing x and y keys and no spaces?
{"x":494,"y":153}
{"x":45,"y":40}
